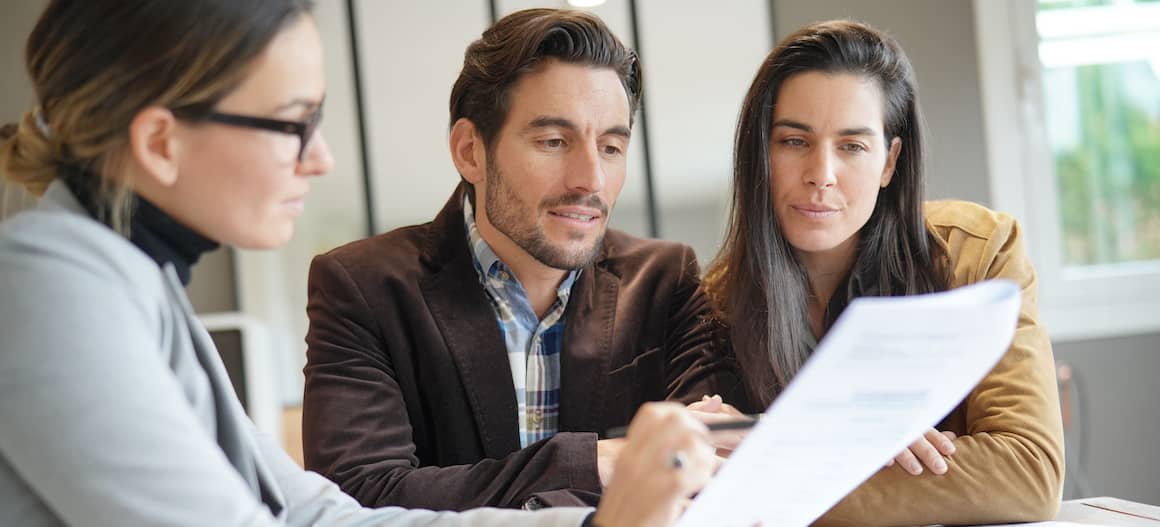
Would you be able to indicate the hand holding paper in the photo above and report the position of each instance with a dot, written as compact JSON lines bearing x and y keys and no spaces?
{"x":887,"y":370}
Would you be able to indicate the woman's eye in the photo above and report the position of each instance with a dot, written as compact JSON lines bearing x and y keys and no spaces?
{"x":854,"y":147}
{"x":793,"y":141}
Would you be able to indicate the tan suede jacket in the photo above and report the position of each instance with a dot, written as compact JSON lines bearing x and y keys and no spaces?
{"x":1008,"y":465}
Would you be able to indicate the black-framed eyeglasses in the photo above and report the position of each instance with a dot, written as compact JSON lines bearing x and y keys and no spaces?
{"x":303,"y":129}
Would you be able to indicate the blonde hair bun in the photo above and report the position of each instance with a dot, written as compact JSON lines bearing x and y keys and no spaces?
{"x":27,"y":157}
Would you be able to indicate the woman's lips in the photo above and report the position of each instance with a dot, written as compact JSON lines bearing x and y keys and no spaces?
{"x":815,"y":211}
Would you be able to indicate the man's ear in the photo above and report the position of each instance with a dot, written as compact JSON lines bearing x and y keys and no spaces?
{"x":891,"y":161}
{"x":154,"y":145}
{"x":467,"y":151}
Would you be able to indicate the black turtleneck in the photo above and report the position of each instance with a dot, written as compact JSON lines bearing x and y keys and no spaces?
{"x":150,"y":229}
{"x":165,"y":240}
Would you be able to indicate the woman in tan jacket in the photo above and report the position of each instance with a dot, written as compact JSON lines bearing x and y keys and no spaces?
{"x":827,"y":207}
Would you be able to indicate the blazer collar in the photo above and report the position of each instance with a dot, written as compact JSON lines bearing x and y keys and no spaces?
{"x":233,"y":428}
{"x":467,"y":321}
{"x":586,"y":358}
{"x":446,"y":241}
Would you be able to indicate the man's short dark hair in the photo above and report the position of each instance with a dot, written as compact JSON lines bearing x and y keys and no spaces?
{"x":521,"y":41}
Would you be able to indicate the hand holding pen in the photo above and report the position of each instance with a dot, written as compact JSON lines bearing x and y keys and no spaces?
{"x":729,"y":425}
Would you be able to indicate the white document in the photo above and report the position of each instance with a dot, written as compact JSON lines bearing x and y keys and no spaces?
{"x":889,"y":369}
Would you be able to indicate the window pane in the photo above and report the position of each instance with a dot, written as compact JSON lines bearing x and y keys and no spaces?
{"x":1102,"y":101}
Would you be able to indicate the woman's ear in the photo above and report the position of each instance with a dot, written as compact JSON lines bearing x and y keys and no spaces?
{"x":467,"y":151}
{"x":154,"y":145}
{"x":891,"y":161}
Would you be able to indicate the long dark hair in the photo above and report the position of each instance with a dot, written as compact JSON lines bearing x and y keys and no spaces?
{"x":757,"y":284}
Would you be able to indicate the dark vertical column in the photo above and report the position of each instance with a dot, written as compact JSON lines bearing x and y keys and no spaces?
{"x":493,"y":9}
{"x":360,"y":116}
{"x":649,"y":185}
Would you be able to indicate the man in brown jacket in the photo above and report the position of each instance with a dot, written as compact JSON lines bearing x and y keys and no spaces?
{"x":472,"y":361}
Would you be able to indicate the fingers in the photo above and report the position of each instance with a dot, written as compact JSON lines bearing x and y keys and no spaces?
{"x":689,"y":436}
{"x":727,"y":442}
{"x":731,"y":410}
{"x":724,"y":440}
{"x":707,"y":404}
{"x":607,"y":452}
{"x":718,"y":461}
{"x":710,"y":417}
{"x":653,"y":419}
{"x":660,"y":430}
{"x":908,"y":462}
{"x":715,"y":404}
{"x":939,"y":440}
{"x":950,"y":435}
{"x":929,"y":456}
{"x":667,"y":458}
{"x":928,"y":452}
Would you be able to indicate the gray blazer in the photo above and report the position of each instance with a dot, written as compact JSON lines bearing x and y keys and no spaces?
{"x":115,"y":408}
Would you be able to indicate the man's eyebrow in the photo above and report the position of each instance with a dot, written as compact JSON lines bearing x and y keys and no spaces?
{"x":552,"y":122}
{"x":621,"y":131}
{"x":560,"y":122}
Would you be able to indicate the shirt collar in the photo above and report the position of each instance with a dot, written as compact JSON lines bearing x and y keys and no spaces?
{"x":489,"y":266}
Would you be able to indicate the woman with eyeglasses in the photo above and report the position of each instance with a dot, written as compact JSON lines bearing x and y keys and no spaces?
{"x":162,"y":130}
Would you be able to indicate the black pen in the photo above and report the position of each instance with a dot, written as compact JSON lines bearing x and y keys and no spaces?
{"x":739,"y":424}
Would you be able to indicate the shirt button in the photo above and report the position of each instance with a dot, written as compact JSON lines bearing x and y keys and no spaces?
{"x":533,"y":504}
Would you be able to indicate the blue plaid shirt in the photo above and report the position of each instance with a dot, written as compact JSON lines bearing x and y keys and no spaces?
{"x":533,"y":345}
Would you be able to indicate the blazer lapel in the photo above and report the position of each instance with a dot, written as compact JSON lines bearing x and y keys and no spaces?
{"x":587,"y":353}
{"x":233,"y":425}
{"x":471,"y":331}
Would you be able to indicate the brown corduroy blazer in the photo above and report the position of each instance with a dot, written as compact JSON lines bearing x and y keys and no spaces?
{"x":409,"y":396}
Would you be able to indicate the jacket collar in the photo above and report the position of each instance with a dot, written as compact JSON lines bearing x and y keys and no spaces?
{"x":233,"y":434}
{"x":465,"y":318}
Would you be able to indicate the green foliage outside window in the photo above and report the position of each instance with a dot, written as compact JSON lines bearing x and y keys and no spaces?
{"x":1109,"y":182}
{"x":1103,"y":123}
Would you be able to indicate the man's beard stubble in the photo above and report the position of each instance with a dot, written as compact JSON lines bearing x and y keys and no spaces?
{"x":515,"y":219}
